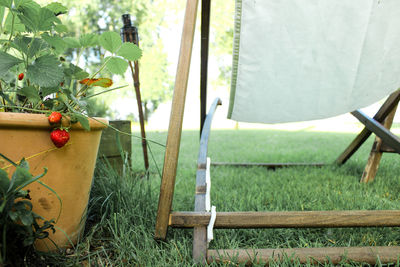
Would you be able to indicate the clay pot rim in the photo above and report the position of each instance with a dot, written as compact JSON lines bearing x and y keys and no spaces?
{"x":28,"y":120}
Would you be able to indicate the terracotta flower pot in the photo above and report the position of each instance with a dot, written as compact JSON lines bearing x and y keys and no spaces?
{"x":70,"y":170}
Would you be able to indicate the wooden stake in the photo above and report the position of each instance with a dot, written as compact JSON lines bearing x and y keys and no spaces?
{"x":176,"y":120}
{"x":130,"y":35}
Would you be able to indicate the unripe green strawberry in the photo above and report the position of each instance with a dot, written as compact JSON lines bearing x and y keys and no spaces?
{"x":59,"y":137}
{"x":55,"y":117}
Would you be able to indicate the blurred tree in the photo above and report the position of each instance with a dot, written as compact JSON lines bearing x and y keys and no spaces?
{"x":152,"y":18}
{"x":87,"y":16}
{"x":221,"y":39}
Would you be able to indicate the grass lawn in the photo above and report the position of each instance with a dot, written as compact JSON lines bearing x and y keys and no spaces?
{"x":122,"y":209}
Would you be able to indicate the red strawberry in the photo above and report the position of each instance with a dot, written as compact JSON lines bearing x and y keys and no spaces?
{"x":20,"y":76}
{"x":59,"y":137}
{"x":55,"y":117}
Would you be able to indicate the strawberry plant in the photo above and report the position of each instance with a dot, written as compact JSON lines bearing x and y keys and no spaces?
{"x":35,"y":73}
{"x":19,"y":225}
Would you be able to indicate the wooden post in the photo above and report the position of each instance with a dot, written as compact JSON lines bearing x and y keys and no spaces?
{"x":205,"y":35}
{"x":176,"y":120}
{"x":130,"y":34}
{"x":376,"y":153}
{"x":200,"y":232}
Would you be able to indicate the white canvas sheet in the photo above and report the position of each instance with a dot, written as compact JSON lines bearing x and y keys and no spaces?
{"x":297,"y":60}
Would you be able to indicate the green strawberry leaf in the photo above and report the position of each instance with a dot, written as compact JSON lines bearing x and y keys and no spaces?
{"x":7,"y":62}
{"x":20,"y":176}
{"x":4,"y":181}
{"x":45,"y":71}
{"x":75,"y":72}
{"x":26,"y":3}
{"x":24,"y":164}
{"x":31,"y":93}
{"x":26,"y":217}
{"x":89,"y":40}
{"x":25,"y":45}
{"x":61,"y":28}
{"x":56,"y":42}
{"x":13,"y":216}
{"x":45,"y":91}
{"x":35,"y":20}
{"x":116,"y":65}
{"x":72,"y":42}
{"x":57,"y":8}
{"x":130,"y":51}
{"x":83,"y":120}
{"x":17,"y":27}
{"x":2,"y":12}
{"x":111,"y":41}
{"x":6,"y":3}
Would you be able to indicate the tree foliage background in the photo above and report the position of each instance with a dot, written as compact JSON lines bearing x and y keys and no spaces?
{"x":152,"y":18}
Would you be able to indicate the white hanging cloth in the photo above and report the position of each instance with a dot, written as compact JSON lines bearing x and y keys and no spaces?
{"x":297,"y":60}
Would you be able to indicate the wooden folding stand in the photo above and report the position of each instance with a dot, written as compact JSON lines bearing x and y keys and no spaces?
{"x":200,"y":218}
{"x":385,"y":140}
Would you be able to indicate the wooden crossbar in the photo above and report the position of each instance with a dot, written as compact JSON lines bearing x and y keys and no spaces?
{"x":334,"y":255}
{"x":288,"y":219}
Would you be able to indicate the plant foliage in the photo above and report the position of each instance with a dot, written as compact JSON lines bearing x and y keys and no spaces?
{"x":19,"y":225}
{"x":34,"y":42}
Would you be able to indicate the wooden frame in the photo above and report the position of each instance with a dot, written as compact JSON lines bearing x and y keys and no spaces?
{"x":199,"y":219}
{"x":385,"y":141}
{"x":389,"y":105}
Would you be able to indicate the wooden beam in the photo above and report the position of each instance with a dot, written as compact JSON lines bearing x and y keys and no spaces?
{"x":333,"y":255}
{"x":176,"y":120}
{"x":390,"y":103}
{"x":376,"y":152}
{"x":374,"y":126}
{"x":289,"y":219}
{"x":354,"y":146}
{"x":386,"y":149}
{"x":272,"y":166}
